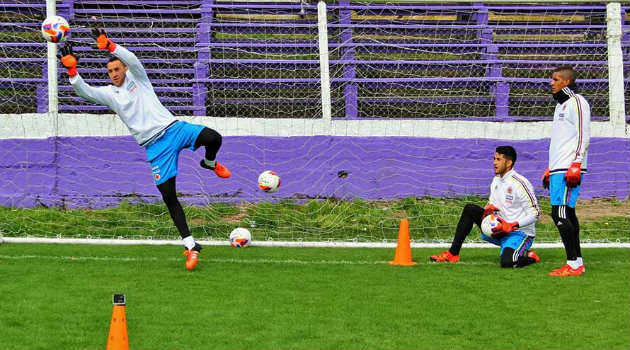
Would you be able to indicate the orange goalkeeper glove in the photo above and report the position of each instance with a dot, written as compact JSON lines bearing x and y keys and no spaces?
{"x":572,"y":177}
{"x":69,"y":59}
{"x":504,"y":227}
{"x":102,"y":41}
{"x":545,"y":178}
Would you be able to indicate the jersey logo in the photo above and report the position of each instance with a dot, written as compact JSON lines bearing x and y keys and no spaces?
{"x":131,"y":86}
{"x":509,"y":190}
{"x":157,"y":177}
{"x":561,"y":116}
{"x":564,"y":107}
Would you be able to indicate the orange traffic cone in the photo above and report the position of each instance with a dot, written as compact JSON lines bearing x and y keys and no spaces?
{"x":403,"y":249}
{"x":117,"y":339}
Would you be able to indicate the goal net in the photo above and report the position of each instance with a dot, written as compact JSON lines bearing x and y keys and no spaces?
{"x":369,"y":111}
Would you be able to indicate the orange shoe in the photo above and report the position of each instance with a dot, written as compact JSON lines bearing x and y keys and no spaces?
{"x":532,"y":254}
{"x":582,"y":269}
{"x":218,"y":169}
{"x":192,"y":257}
{"x":566,"y":270}
{"x":445,"y":256}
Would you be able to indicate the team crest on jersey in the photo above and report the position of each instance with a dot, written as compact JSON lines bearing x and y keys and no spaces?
{"x":131,"y":86}
{"x":157,"y":177}
{"x":509,"y":190}
{"x":561,"y":116}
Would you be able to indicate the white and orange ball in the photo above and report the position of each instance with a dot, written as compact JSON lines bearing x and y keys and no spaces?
{"x":240,"y":237}
{"x":488,"y":223}
{"x":55,"y":29}
{"x":269,"y":181}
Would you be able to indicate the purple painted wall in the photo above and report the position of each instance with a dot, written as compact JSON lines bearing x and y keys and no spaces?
{"x":96,"y":171}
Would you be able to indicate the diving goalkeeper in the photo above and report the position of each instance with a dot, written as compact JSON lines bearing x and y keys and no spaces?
{"x":132,"y":98}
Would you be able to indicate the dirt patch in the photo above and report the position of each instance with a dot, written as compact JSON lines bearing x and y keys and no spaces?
{"x":589,"y":210}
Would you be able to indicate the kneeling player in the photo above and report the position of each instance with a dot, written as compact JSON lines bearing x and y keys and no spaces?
{"x":513,"y":197}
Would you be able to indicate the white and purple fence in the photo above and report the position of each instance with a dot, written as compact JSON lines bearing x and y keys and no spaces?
{"x":344,"y":99}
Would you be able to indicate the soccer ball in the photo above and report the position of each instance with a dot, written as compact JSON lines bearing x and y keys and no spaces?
{"x":240,"y":237}
{"x":55,"y":29}
{"x":269,"y":181}
{"x":488,"y":223}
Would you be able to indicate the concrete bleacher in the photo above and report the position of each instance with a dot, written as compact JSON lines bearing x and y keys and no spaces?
{"x":260,"y":59}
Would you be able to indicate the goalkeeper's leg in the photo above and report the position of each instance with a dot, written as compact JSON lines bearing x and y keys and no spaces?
{"x":471,"y":214}
{"x":169,"y":195}
{"x":211,"y":140}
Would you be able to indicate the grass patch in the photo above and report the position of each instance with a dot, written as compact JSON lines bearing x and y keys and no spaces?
{"x":300,"y":298}
{"x":431,"y":220}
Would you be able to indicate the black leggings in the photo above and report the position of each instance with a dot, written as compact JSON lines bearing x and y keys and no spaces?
{"x":473,"y":214}
{"x":169,"y":195}
{"x":211,"y":140}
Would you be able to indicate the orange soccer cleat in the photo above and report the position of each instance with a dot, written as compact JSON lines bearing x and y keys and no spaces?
{"x":445,"y":256}
{"x":218,"y":169}
{"x":192,"y":257}
{"x":582,"y":269}
{"x":566,"y":270}
{"x":532,"y":254}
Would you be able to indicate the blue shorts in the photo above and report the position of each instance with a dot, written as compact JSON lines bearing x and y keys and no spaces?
{"x":560,"y":194}
{"x":164,"y":153}
{"x":516,"y":240}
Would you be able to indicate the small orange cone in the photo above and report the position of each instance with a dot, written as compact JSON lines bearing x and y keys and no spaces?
{"x":117,"y":339}
{"x":403,"y":249}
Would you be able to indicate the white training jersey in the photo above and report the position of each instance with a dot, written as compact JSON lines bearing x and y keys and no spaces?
{"x":570,"y":134}
{"x":514,"y":196}
{"x":134,"y":100}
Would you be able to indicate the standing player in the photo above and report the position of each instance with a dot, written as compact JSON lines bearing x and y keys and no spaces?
{"x":567,"y":163}
{"x":132,"y":97}
{"x":513,"y":197}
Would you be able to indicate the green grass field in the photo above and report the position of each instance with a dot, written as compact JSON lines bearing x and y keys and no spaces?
{"x":59,"y":297}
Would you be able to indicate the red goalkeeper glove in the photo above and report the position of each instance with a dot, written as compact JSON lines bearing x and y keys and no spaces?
{"x":489,"y":209}
{"x":69,"y":59}
{"x":545,"y":178}
{"x":572,"y":177}
{"x":504,"y":227}
{"x":102,"y":41}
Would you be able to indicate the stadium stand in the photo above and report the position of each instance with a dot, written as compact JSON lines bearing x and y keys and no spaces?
{"x":260,"y":59}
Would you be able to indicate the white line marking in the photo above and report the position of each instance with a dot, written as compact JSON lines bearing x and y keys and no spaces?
{"x":301,"y":244}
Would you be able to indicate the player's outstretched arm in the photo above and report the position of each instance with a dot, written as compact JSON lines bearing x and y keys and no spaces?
{"x":103,"y":42}
{"x":69,"y":60}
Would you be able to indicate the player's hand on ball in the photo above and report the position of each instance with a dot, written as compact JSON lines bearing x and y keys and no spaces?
{"x":504,"y":227}
{"x":68,"y":59}
{"x":572,"y":177}
{"x":102,"y":41}
{"x":545,"y":178}
{"x":489,"y":209}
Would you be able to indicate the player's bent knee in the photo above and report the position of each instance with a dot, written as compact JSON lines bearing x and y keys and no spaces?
{"x":506,"y":259}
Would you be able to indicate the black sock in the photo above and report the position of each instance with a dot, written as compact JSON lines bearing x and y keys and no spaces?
{"x":566,"y":229}
{"x":169,"y":195}
{"x":509,"y":260}
{"x":471,"y":214}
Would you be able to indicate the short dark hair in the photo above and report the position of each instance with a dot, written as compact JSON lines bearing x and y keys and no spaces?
{"x":508,"y":152}
{"x":113,"y":58}
{"x":567,"y":72}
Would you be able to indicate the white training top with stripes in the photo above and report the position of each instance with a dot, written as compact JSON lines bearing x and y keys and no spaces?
{"x":134,"y":100}
{"x":571,"y":132}
{"x":514,"y":196}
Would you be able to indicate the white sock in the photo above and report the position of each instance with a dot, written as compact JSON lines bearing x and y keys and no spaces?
{"x":579,"y":261}
{"x":189,"y":242}
{"x":210,"y":163}
{"x":573,"y":263}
